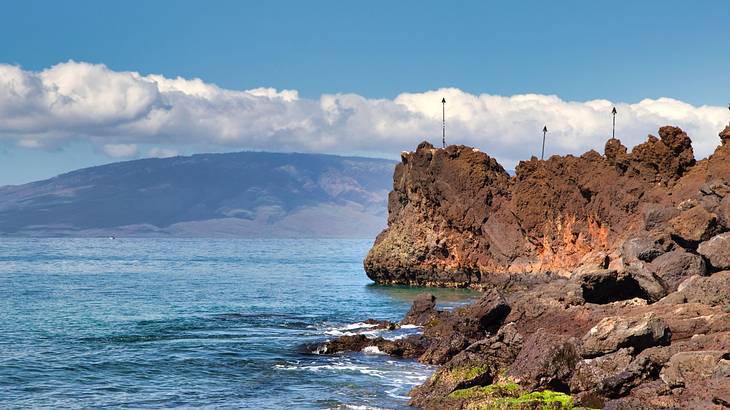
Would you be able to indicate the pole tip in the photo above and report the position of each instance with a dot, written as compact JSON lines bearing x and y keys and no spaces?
{"x":443,"y":100}
{"x":614,"y":111}
{"x":544,"y":129}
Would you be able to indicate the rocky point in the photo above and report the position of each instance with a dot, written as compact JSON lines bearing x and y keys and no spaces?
{"x":605,"y":278}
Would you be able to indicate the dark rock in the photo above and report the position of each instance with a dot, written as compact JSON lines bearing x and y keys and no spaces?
{"x":546,"y":361}
{"x":717,"y":251}
{"x":381,"y":324}
{"x":442,"y":349}
{"x":409,"y":347}
{"x":645,"y":248}
{"x":590,"y":374}
{"x":353,"y":343}
{"x":712,"y":290}
{"x":478,"y":364}
{"x":472,"y":321}
{"x":614,"y":333}
{"x":693,"y":226}
{"x":452,"y":331}
{"x":674,"y":267}
{"x":422,"y":311}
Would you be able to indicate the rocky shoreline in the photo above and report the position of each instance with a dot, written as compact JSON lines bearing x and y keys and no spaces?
{"x":605,"y":277}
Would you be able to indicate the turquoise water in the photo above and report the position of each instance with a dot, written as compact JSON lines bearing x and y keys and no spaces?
{"x":161,"y":323}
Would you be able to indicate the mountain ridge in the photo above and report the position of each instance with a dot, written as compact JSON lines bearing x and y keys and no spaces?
{"x":244,"y":194}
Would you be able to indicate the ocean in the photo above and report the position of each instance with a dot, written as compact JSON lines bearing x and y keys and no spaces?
{"x":196,"y":323}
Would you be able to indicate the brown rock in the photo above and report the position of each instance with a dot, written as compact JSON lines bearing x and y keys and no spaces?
{"x":546,"y":361}
{"x":590,"y":374}
{"x":717,"y":251}
{"x":694,"y":226}
{"x":686,"y":366}
{"x":674,"y":267}
{"x":456,"y":218}
{"x":614,"y":333}
{"x":712,"y":290}
{"x":423,"y":310}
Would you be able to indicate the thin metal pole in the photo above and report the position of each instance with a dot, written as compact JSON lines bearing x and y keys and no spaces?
{"x":544,"y":132}
{"x":443,"y":122}
{"x":613,"y":133}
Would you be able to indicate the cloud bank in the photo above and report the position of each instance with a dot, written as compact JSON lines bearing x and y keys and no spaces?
{"x":117,"y":110}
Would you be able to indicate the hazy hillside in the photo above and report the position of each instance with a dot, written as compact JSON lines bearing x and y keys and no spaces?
{"x":248,"y":194}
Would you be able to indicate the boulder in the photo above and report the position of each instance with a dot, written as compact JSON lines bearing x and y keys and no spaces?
{"x":672,"y":268}
{"x":717,"y":251}
{"x":692,"y":366}
{"x":711,"y":290}
{"x":423,"y":310}
{"x":591,"y":374}
{"x":473,"y":321}
{"x":645,"y":248}
{"x":614,"y":333}
{"x":546,"y":361}
{"x":656,"y":215}
{"x":693,"y":226}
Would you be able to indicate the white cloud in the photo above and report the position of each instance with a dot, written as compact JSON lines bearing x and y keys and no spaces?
{"x":120,"y":150}
{"x":157,"y":152}
{"x":73,"y":100}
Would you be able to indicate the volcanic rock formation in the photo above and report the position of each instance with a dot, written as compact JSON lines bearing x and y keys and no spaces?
{"x":606,"y":277}
{"x":457,"y":218}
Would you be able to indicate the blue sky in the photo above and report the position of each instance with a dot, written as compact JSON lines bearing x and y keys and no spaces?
{"x":621,"y":51}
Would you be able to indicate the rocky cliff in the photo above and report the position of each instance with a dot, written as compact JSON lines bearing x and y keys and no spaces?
{"x":606,"y":278}
{"x":457,"y":218}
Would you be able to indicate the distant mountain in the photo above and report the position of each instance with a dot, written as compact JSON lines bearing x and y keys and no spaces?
{"x":246,"y":194}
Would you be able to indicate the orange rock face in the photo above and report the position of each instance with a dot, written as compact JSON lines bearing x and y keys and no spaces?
{"x":457,"y":218}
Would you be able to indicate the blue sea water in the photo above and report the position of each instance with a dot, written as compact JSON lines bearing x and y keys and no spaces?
{"x":195,"y":323}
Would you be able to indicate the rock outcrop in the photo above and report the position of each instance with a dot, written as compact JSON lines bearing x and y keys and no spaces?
{"x":606,"y":276}
{"x":457,"y":218}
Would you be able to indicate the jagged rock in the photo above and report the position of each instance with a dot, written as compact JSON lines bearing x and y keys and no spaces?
{"x":725,"y":135}
{"x":717,"y":251}
{"x":423,"y":310}
{"x":674,"y":267}
{"x":645,"y":248}
{"x":716,"y":187}
{"x":455,"y":330}
{"x":614,"y":333}
{"x":693,"y":226}
{"x":656,"y":215}
{"x":456,"y":218}
{"x":590,"y":374}
{"x":472,"y":321}
{"x":478,"y":364}
{"x":546,"y":361}
{"x":409,"y":347}
{"x":712,"y":290}
{"x":685,"y":366}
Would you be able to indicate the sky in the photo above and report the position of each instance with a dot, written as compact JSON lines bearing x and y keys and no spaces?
{"x":85,"y":82}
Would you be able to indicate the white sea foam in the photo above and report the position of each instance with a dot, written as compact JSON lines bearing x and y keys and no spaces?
{"x":372,"y":350}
